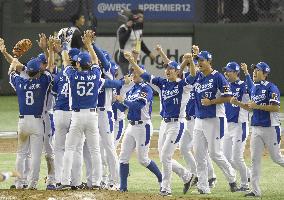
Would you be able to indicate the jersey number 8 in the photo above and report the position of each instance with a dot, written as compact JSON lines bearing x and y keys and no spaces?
{"x":85,"y":88}
{"x":29,"y":98}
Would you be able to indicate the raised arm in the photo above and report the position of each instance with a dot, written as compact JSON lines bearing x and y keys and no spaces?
{"x":3,"y":50}
{"x":160,"y":51}
{"x":87,"y":39}
{"x":133,"y":62}
{"x":249,"y":81}
{"x":105,"y":63}
{"x":50,"y":60}
{"x":64,"y":53}
{"x":42,"y":43}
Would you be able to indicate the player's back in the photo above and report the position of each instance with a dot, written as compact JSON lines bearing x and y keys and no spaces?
{"x":31,"y":93}
{"x":84,"y":86}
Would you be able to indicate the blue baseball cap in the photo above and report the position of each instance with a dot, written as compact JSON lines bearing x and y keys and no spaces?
{"x":83,"y":58}
{"x":73,"y":52}
{"x":173,"y":65}
{"x":42,"y":58}
{"x":204,"y":55}
{"x":262,"y":66}
{"x":34,"y":65}
{"x":232,"y":67}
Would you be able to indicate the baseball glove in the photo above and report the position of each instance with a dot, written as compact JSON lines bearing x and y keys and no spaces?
{"x":22,"y":47}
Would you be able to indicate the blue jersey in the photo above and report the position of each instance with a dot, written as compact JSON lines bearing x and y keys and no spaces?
{"x":190,"y":106}
{"x":212,"y":86}
{"x":265,"y":93}
{"x":139,"y":102}
{"x":174,"y":95}
{"x":84,"y":87}
{"x":233,"y":112}
{"x":61,"y":90}
{"x":31,"y":93}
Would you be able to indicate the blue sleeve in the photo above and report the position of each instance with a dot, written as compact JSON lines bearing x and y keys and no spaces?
{"x":190,"y":80}
{"x":249,"y":83}
{"x":69,"y":71}
{"x":14,"y":80}
{"x":158,"y":81}
{"x":113,"y":83}
{"x":274,"y":95}
{"x":54,"y":88}
{"x":223,"y":86}
{"x":120,"y":106}
{"x":102,"y":58}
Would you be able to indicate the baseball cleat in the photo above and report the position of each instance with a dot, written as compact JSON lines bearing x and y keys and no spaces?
{"x":123,"y":190}
{"x":103,"y":185}
{"x":251,"y":194}
{"x":212,"y":182}
{"x":25,"y":186}
{"x":75,"y":187}
{"x":12,"y":187}
{"x":187,"y":185}
{"x":165,"y":194}
{"x":50,"y":187}
{"x":113,"y":187}
{"x":195,"y":181}
{"x":64,"y":187}
{"x":83,"y":186}
{"x":243,"y":189}
{"x":233,"y":187}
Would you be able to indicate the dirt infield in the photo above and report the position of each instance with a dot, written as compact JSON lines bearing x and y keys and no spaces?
{"x":81,"y":195}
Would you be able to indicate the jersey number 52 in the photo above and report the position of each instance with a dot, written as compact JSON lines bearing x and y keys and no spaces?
{"x":85,"y":88}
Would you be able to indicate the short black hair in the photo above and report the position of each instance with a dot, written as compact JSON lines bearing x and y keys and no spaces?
{"x":75,"y":17}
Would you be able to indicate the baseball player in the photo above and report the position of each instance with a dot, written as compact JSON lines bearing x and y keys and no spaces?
{"x":138,"y":100}
{"x":62,"y":116}
{"x":265,"y":122}
{"x":211,"y":92}
{"x":186,"y":142}
{"x":238,"y":128}
{"x":31,"y":97}
{"x":174,"y":96}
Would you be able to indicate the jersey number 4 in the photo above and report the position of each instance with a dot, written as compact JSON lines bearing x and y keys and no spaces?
{"x":85,"y":88}
{"x":29,"y":98}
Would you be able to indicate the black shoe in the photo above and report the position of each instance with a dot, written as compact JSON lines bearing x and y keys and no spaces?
{"x":12,"y":187}
{"x":103,"y":185}
{"x":83,"y":186}
{"x":165,"y":194}
{"x":243,"y":189}
{"x":249,"y":180}
{"x":212,"y":182}
{"x":187,"y":185}
{"x":58,"y":184}
{"x":233,"y":187}
{"x":25,"y":186}
{"x":75,"y":187}
{"x":195,"y":181}
{"x":250,"y":194}
{"x":200,"y":191}
{"x":63,"y":187}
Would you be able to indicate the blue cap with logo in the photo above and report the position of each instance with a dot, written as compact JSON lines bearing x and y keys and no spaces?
{"x":83,"y":58}
{"x":42,"y":58}
{"x":173,"y":65}
{"x":204,"y":55}
{"x":34,"y":65}
{"x":73,"y":52}
{"x":232,"y":67}
{"x":262,"y":66}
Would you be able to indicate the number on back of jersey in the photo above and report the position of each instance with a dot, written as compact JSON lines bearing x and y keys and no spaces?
{"x":85,"y":88}
{"x":29,"y":98}
{"x":65,"y":89}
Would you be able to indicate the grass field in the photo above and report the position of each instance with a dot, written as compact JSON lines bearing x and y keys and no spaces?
{"x":141,"y":181}
{"x":9,"y":113}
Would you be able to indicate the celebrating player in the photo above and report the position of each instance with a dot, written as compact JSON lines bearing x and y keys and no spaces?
{"x":211,"y":92}
{"x":265,"y":122}
{"x":238,"y":128}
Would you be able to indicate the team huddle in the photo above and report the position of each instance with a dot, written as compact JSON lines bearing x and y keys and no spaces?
{"x":76,"y":113}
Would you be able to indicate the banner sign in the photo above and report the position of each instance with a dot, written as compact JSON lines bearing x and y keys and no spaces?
{"x":174,"y":47}
{"x":153,"y":9}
